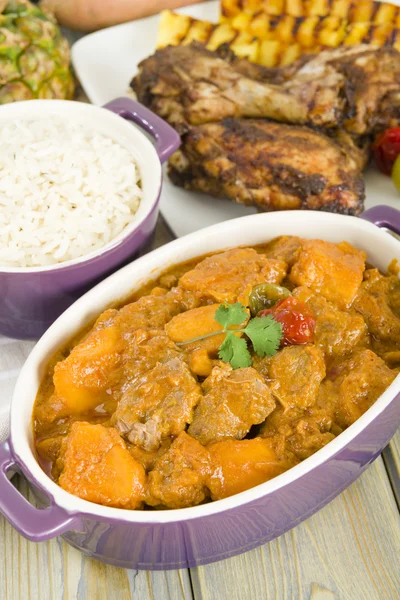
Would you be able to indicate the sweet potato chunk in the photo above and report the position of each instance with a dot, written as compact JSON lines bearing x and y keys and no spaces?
{"x":337,"y":332}
{"x":230,"y":276}
{"x":159,"y":404}
{"x":200,"y":362}
{"x":356,"y":384}
{"x":81,"y":380}
{"x":333,"y":270}
{"x":296,"y":373}
{"x":234,"y":401}
{"x":96,"y":466}
{"x":180,"y":477}
{"x":240,"y":465}
{"x":193,"y":324}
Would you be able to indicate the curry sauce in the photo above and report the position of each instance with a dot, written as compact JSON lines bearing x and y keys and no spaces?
{"x":137,"y":412}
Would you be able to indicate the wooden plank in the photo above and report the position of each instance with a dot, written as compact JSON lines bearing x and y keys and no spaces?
{"x":54,"y":571}
{"x":391,"y":456}
{"x":350,"y":549}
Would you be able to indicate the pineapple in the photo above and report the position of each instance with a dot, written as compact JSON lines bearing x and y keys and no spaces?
{"x":354,"y":11}
{"x":274,"y":41}
{"x":34,"y":56}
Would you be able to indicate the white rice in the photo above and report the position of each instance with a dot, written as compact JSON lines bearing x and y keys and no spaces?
{"x":65,"y":190}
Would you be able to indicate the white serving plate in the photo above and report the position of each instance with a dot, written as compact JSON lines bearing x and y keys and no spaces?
{"x":105,"y":63}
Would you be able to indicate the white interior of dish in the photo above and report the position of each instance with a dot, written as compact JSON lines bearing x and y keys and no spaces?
{"x":113,"y":126}
{"x":380,"y":247}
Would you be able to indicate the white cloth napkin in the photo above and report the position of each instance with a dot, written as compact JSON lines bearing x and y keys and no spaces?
{"x":13,"y":354}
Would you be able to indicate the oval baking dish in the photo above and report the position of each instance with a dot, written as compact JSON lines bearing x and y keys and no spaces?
{"x":193,"y":536}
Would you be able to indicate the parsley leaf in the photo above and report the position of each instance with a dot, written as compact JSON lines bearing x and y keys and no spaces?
{"x":234,"y":351}
{"x":265,"y":334}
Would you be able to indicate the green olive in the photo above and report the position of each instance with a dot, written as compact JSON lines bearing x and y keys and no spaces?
{"x":396,"y":173}
{"x":266,"y":295}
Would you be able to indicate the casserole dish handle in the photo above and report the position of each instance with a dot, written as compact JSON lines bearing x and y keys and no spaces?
{"x":33,"y":523}
{"x":383,"y":216}
{"x":167,"y":139}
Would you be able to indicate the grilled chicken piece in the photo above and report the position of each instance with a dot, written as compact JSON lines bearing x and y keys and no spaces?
{"x":369,"y":84}
{"x":189,"y":85}
{"x":371,"y":79}
{"x":389,"y":113}
{"x":271,"y":165}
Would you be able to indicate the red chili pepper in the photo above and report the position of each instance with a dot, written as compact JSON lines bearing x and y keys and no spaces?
{"x":386,"y":149}
{"x":298,"y":322}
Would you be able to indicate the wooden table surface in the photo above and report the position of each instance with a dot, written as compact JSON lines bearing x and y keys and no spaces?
{"x":350,"y":550}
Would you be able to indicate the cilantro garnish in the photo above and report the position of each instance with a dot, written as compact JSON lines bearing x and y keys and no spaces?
{"x":264,"y":333}
{"x":231,"y":314}
{"x":234,"y":351}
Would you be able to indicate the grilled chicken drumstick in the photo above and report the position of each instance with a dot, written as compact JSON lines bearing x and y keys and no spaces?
{"x":189,"y":85}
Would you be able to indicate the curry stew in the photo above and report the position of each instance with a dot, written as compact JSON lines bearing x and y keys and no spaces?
{"x":135,"y":415}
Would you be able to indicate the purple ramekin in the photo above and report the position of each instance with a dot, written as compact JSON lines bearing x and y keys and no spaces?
{"x":172,"y":539}
{"x":32,"y":298}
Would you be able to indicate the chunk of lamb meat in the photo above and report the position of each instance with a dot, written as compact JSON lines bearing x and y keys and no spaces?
{"x":337,"y":332}
{"x":378,"y":301}
{"x":230,"y":276}
{"x":95,"y":465}
{"x":284,"y":247}
{"x":159,"y":404}
{"x":234,"y":400}
{"x":305,"y":431}
{"x":91,"y":373}
{"x":295,"y":374}
{"x":333,"y":270}
{"x":180,"y":477}
{"x":352,"y":386}
{"x":148,"y":458}
{"x":238,"y":465}
{"x":154,"y":310}
{"x":144,"y":349}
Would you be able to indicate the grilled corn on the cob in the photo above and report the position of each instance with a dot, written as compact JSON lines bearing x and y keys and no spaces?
{"x":274,"y":41}
{"x":354,"y":11}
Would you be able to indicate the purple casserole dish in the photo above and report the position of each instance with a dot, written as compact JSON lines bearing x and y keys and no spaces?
{"x":188,"y":537}
{"x":32,"y":298}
